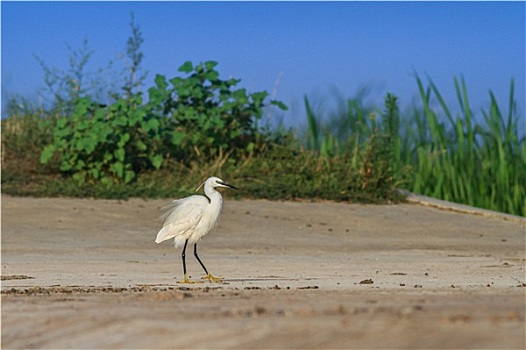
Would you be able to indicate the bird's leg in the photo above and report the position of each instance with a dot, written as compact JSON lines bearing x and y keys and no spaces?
{"x":208,"y":276}
{"x":183,"y":255}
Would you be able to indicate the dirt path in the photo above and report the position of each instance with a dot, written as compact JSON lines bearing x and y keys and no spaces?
{"x":87,"y":274}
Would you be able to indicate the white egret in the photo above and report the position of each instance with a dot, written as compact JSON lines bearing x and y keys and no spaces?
{"x":188,"y":219}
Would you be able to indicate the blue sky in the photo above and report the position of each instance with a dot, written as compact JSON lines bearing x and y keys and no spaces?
{"x":316,"y":48}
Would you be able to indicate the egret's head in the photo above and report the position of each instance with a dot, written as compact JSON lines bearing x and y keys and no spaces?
{"x":214,"y":182}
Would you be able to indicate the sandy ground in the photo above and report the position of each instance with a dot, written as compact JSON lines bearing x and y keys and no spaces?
{"x":87,"y":274}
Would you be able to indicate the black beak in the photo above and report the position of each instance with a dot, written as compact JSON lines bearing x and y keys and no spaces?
{"x":228,"y":185}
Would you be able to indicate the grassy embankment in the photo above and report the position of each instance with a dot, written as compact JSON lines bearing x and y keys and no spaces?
{"x":358,"y":155}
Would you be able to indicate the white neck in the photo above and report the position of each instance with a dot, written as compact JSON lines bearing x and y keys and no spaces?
{"x":213,"y":195}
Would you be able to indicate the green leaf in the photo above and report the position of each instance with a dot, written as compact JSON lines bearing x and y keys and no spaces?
{"x":177,"y":137}
{"x":186,"y":67}
{"x":94,"y":173}
{"x":199,"y":68}
{"x":279,"y":104}
{"x":138,"y":99}
{"x":176,"y":81}
{"x":62,"y":122}
{"x":119,"y":154}
{"x":137,"y":116}
{"x":107,"y":157}
{"x":157,"y":161}
{"x":82,"y":106}
{"x":210,"y":65}
{"x":47,"y":153}
{"x":100,"y":114}
{"x":79,"y":165}
{"x":160,"y":81}
{"x":121,"y":120}
{"x":259,"y":97}
{"x":141,"y":146}
{"x":87,"y":144}
{"x":240,"y":93}
{"x":183,"y":92}
{"x":233,"y":81}
{"x":123,"y":140}
{"x":117,"y":169}
{"x":65,"y":166}
{"x":151,"y":124}
{"x":212,"y":75}
{"x":128,"y":176}
{"x":155,"y":96}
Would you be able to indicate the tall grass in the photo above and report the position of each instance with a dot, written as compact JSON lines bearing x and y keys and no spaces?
{"x":467,"y":161}
{"x":456,"y":157}
{"x":352,"y":122}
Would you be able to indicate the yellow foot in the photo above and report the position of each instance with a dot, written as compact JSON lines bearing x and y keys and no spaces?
{"x":211,"y":278}
{"x":186,"y":280}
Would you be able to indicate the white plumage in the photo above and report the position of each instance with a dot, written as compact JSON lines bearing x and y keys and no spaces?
{"x":188,"y":219}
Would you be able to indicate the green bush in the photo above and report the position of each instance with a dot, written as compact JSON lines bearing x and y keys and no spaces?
{"x":204,"y":114}
{"x":110,"y":144}
{"x":196,"y":117}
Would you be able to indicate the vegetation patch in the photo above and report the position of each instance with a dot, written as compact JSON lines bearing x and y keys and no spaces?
{"x":186,"y":128}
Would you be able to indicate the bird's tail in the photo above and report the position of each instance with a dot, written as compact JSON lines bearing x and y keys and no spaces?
{"x":162,"y":235}
{"x":167,"y":233}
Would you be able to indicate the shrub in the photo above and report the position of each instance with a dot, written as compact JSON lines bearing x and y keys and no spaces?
{"x":196,"y":116}
{"x":111,"y":144}
{"x":204,"y":114}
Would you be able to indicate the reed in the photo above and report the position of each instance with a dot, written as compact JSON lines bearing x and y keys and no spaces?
{"x":463,"y":157}
{"x":460,"y":159}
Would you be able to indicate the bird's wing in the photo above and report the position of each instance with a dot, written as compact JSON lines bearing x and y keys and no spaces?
{"x":182,"y":215}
